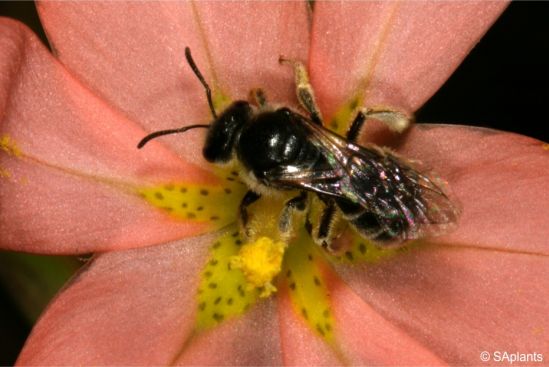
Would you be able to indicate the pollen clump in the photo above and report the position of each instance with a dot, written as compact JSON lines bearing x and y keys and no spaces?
{"x":8,"y":146}
{"x":260,"y":262}
{"x":4,"y":173}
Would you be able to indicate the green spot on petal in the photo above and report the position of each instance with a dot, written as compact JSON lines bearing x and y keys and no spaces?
{"x":308,"y":290}
{"x":223,"y":291}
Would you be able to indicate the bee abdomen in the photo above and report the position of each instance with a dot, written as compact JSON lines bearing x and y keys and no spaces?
{"x":371,"y":226}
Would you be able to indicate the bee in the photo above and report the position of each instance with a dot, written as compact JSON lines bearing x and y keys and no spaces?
{"x":382,"y":195}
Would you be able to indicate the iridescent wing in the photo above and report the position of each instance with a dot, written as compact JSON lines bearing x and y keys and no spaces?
{"x":382,"y":183}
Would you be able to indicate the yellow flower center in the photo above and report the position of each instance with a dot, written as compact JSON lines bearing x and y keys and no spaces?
{"x":260,"y":262}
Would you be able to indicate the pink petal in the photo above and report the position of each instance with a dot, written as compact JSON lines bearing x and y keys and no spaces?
{"x":70,"y":190}
{"x":458,"y":302}
{"x":54,"y":212}
{"x":501,"y":180}
{"x":133,"y":53}
{"x":126,"y":307}
{"x":367,"y":338}
{"x":300,"y":346}
{"x":396,"y":53}
{"x":251,"y":340}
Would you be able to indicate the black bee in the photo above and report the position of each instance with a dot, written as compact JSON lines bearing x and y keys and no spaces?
{"x":380,"y":194}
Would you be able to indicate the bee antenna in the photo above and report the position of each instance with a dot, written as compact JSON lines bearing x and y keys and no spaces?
{"x":156,"y":134}
{"x":198,"y":74}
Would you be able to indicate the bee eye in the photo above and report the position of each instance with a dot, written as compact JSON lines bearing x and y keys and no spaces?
{"x":286,"y":111}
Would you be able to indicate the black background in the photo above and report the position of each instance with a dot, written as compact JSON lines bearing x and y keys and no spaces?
{"x":502,"y":84}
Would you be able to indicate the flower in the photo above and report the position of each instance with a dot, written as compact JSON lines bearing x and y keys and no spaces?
{"x":72,"y":178}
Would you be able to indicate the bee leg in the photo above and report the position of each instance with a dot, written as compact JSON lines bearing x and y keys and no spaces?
{"x":304,"y":90}
{"x":298,"y":203}
{"x":257,"y":97}
{"x":356,"y":126}
{"x":248,"y":199}
{"x":324,"y":234}
{"x":395,"y":120}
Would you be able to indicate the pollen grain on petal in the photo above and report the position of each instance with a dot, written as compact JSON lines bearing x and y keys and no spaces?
{"x":10,"y":148}
{"x":8,"y":145}
{"x":4,"y":173}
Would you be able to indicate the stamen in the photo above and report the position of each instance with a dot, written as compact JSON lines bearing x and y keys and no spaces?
{"x":260,"y":262}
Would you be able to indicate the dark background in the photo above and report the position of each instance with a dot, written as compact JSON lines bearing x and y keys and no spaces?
{"x":502,"y":84}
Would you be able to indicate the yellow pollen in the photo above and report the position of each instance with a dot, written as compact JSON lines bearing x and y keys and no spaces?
{"x":545,"y":146}
{"x":8,"y":146}
{"x":4,"y":173}
{"x":260,"y":262}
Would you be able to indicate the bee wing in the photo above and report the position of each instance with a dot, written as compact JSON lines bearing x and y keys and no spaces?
{"x":319,"y":180}
{"x":386,"y":185}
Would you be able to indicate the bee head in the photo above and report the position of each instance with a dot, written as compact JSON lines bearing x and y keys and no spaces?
{"x":224,"y":131}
